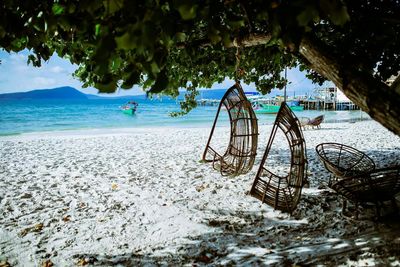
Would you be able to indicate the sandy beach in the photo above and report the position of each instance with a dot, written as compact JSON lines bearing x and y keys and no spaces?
{"x":142,"y":197}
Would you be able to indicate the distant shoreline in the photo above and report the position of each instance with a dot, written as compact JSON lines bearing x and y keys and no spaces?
{"x":110,"y":131}
{"x":113,"y":129}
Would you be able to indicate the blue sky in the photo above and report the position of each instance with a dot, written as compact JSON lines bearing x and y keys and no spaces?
{"x":17,"y":76}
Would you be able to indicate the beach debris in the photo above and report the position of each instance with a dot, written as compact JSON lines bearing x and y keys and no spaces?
{"x":47,"y":263}
{"x":114,"y":186}
{"x":200,"y":188}
{"x":66,"y":218}
{"x":4,"y":264}
{"x":36,"y":228}
{"x":203,"y":258}
{"x":25,"y":196}
{"x":85,"y":261}
{"x":268,"y":251}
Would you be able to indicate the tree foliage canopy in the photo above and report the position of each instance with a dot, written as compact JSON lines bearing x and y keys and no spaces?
{"x":163,"y":45}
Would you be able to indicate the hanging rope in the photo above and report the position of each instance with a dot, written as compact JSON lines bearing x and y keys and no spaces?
{"x":237,"y":55}
{"x":239,"y":72}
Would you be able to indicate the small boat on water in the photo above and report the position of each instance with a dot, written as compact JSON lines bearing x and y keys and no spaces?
{"x":263,"y":105}
{"x":272,"y":109}
{"x":265,"y":108}
{"x":129,"y":108}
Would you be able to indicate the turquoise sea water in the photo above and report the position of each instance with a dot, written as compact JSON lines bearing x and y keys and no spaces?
{"x":26,"y":116}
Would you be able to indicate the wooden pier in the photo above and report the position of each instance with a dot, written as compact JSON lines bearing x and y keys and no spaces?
{"x":328,"y":98}
{"x":314,"y":104}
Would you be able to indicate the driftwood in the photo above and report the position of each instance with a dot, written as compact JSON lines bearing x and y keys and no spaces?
{"x":283,"y":192}
{"x":240,"y":154}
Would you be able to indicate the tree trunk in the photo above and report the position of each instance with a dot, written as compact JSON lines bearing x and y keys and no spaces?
{"x":376,"y":98}
{"x":396,"y":85}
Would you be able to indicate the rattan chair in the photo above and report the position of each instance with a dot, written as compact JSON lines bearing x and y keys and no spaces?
{"x":313,"y":123}
{"x":375,"y":187}
{"x":240,"y":154}
{"x":283,"y":192}
{"x":343,"y":161}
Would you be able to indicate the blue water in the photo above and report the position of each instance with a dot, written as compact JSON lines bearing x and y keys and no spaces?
{"x":25,"y":116}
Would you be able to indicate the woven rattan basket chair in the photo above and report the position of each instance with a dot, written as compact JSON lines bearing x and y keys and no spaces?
{"x":240,"y":154}
{"x":375,"y":187}
{"x":283,"y":192}
{"x":343,"y":161}
{"x":316,"y":122}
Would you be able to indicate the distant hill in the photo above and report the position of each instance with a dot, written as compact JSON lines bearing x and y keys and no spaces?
{"x":56,"y":93}
{"x":67,"y":92}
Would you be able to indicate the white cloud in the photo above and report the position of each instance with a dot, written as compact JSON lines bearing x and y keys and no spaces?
{"x":17,"y":58}
{"x":57,"y":69}
{"x":43,"y":81}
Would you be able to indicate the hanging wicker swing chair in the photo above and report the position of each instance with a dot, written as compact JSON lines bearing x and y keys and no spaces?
{"x":240,"y":154}
{"x":283,"y":192}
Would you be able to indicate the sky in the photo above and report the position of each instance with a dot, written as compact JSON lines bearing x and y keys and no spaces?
{"x":17,"y":76}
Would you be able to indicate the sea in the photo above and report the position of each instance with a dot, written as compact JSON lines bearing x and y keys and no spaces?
{"x":21,"y":116}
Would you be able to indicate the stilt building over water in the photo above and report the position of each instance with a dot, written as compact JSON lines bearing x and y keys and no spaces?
{"x":327,"y":98}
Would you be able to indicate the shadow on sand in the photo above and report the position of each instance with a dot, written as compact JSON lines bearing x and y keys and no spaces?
{"x":250,"y":239}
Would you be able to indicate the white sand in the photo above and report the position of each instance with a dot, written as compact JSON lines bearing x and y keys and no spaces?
{"x":142,"y":196}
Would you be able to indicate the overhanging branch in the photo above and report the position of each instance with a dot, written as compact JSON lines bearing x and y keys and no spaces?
{"x":395,"y":85}
{"x":246,"y":41}
{"x":373,"y":96}
{"x":379,"y":100}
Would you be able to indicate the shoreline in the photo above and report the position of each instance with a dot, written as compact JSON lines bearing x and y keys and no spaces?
{"x":142,"y":197}
{"x":113,"y":129}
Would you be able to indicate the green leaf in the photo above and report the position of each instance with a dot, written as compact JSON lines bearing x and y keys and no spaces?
{"x":106,"y":88}
{"x":57,"y":9}
{"x":113,"y":6}
{"x":187,"y":11}
{"x":161,"y":83}
{"x":180,"y":36}
{"x":134,"y":78}
{"x":2,"y":32}
{"x":336,"y":11}
{"x":127,"y":41}
{"x":213,"y":35}
{"x":107,"y":84}
{"x":97,"y":29}
{"x":341,"y":16}
{"x":236,"y":24}
{"x":226,"y":39}
{"x":307,"y":15}
{"x":154,"y":68}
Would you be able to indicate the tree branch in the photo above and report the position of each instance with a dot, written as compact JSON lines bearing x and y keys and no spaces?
{"x":247,"y":41}
{"x":396,"y":84}
{"x":379,"y":100}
